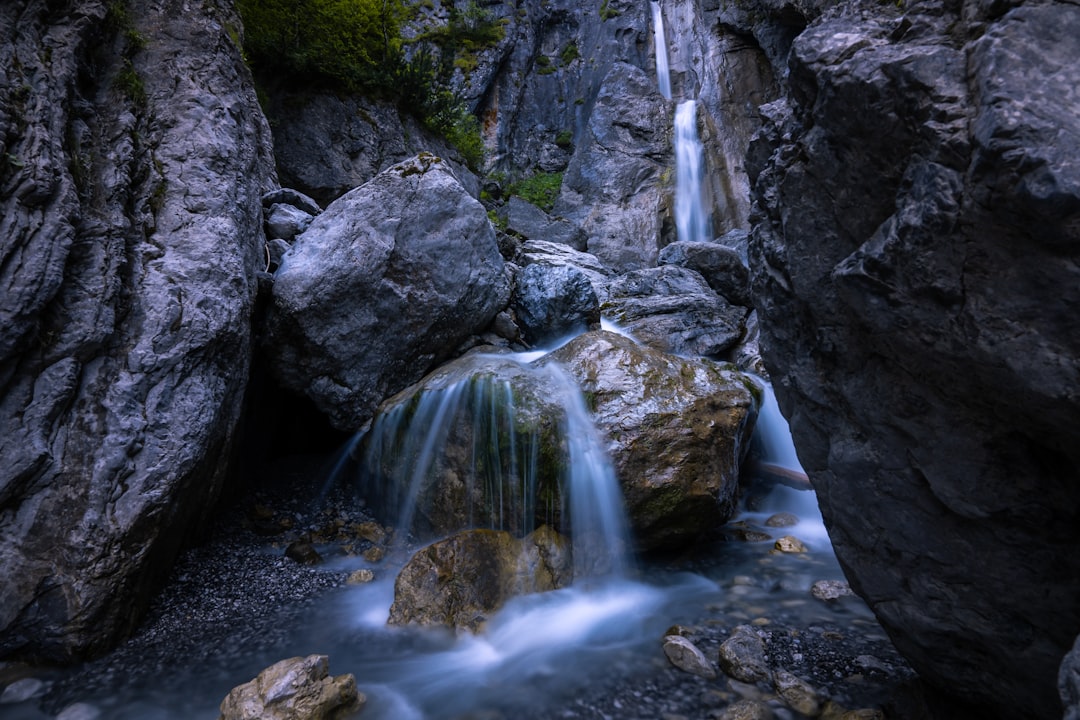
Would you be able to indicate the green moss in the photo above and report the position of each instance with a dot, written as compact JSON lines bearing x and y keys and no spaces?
{"x":565,"y":139}
{"x":130,"y":83}
{"x":607,"y":12}
{"x":569,"y":53}
{"x":540,"y":189}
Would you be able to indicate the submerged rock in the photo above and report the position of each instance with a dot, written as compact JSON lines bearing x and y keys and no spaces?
{"x":299,"y":688}
{"x":462,"y":580}
{"x":676,"y":430}
{"x":385,"y":283}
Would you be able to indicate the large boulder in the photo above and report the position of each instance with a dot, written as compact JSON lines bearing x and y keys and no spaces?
{"x":916,"y":272}
{"x":676,"y":429}
{"x":389,"y":280}
{"x":460,"y":581}
{"x":298,"y":688}
{"x":554,"y":301}
{"x":135,"y":155}
{"x":673,"y":309}
{"x":720,"y":265}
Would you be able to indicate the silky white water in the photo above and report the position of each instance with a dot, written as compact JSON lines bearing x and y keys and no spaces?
{"x":691,"y":220}
{"x":663,"y":70}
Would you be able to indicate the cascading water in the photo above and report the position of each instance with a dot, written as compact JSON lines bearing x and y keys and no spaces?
{"x":663,"y":70}
{"x":502,"y":443}
{"x":691,"y":221}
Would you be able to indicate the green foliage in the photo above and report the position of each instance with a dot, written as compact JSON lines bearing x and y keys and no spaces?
{"x":607,"y":12}
{"x":565,"y":139}
{"x":130,"y":83}
{"x":570,"y":53}
{"x":540,"y":189}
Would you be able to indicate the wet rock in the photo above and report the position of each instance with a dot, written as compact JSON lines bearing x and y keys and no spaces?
{"x":721,"y":266}
{"x":742,"y":656}
{"x":406,"y":267}
{"x":360,"y":577}
{"x":303,"y":553}
{"x":22,"y":690}
{"x":286,"y":221}
{"x":781,"y":519}
{"x":790,"y":544}
{"x":548,"y":253}
{"x":373,"y":532}
{"x":674,"y":310}
{"x":554,"y":301}
{"x":676,"y":429}
{"x":132,"y":237}
{"x":80,"y":711}
{"x":830,"y":589}
{"x":747,"y":710}
{"x":798,"y":694}
{"x":299,"y":688}
{"x":374,"y":554}
{"x":686,"y":656}
{"x":917,"y":320}
{"x":1069,"y":682}
{"x":460,"y":581}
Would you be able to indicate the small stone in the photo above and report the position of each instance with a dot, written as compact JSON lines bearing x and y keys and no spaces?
{"x":686,"y":656}
{"x":760,"y":621}
{"x":799,"y":695}
{"x":22,"y":690}
{"x":790,"y":544}
{"x":678,"y":630}
{"x":747,"y":710}
{"x":374,"y":554}
{"x":830,"y":589}
{"x":303,"y":553}
{"x":292,"y":689}
{"x":373,"y":532}
{"x":863,"y":714}
{"x":742,"y":656}
{"x":79,"y":711}
{"x":782,"y":519}
{"x":359,"y":577}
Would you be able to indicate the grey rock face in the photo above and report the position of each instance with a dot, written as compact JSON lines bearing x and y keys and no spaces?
{"x":389,"y":280}
{"x":531,"y":222}
{"x":553,"y":301}
{"x":720,"y":265}
{"x":285,"y":221}
{"x":676,"y":430}
{"x":556,"y":255}
{"x":916,"y":274}
{"x":674,"y":310}
{"x":130,"y":237}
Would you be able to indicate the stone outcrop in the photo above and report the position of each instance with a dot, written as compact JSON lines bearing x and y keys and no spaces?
{"x":915,"y":270}
{"x":388,"y":281}
{"x":553,"y":302}
{"x":134,"y":155}
{"x":300,"y":688}
{"x":676,"y":430}
{"x":460,"y":581}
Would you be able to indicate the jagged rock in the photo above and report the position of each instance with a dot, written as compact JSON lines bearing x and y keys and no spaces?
{"x":360,"y":577}
{"x":676,"y":429}
{"x":328,"y":144}
{"x":674,"y":310}
{"x":531,"y":222}
{"x":553,"y":301}
{"x":798,"y":694}
{"x":289,"y":196}
{"x":461,"y":580}
{"x":1069,"y":682}
{"x":720,"y":265}
{"x":742,"y":656}
{"x":915,"y":272}
{"x":129,"y":246}
{"x":554,"y":254}
{"x":299,"y":688}
{"x":286,"y":221}
{"x":385,"y":283}
{"x":612,"y":188}
{"x":686,"y":656}
{"x":830,"y":589}
{"x":781,"y":519}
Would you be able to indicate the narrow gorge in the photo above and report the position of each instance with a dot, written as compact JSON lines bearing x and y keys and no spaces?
{"x":458,"y":342}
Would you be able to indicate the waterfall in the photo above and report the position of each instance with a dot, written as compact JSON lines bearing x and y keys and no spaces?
{"x":500,"y":443}
{"x":663,"y":70}
{"x":691,"y":221}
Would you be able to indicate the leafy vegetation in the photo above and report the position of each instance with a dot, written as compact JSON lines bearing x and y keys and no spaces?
{"x":357,"y":46}
{"x":607,"y":12}
{"x":540,"y":189}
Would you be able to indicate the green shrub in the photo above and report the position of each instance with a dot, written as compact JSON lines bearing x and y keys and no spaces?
{"x":565,"y":139}
{"x":540,"y":189}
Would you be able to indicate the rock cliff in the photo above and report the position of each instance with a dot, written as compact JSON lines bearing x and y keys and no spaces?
{"x":917,"y":200}
{"x":132,"y":158}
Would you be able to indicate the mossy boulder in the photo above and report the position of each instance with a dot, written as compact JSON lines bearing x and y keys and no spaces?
{"x":676,"y":429}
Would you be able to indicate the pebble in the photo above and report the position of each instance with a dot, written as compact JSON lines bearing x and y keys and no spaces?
{"x":742,"y":656}
{"x":782,"y":519}
{"x":830,"y":589}
{"x":799,"y":695}
{"x":747,"y":710}
{"x":22,"y":690}
{"x":686,"y":656}
{"x":790,"y":544}
{"x":361,"y":576}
